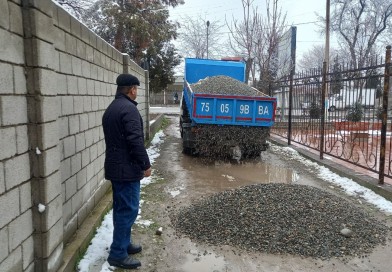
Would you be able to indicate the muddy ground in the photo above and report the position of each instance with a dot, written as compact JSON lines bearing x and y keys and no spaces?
{"x":180,"y":179}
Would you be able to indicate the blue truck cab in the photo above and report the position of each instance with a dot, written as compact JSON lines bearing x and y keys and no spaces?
{"x":205,"y":108}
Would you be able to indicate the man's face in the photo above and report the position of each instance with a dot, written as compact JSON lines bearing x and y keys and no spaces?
{"x":133,"y":92}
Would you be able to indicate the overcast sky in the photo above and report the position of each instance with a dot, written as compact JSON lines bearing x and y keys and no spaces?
{"x":300,"y":13}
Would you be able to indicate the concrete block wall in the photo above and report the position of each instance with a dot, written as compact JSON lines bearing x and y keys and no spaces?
{"x":56,"y":79}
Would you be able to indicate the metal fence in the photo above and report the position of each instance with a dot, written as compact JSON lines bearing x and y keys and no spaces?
{"x":342,"y":112}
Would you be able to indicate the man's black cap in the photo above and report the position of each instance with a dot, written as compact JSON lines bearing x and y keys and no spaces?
{"x":127,"y":80}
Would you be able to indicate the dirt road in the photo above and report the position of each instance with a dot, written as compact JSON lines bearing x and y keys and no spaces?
{"x":180,"y":179}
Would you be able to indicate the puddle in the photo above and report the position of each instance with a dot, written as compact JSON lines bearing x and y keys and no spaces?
{"x":204,"y":262}
{"x":222,"y":176}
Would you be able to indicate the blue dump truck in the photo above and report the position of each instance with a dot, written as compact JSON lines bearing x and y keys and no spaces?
{"x":221,"y":116}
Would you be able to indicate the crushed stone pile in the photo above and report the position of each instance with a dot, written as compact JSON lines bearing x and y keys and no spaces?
{"x":282,"y":219}
{"x":224,"y":85}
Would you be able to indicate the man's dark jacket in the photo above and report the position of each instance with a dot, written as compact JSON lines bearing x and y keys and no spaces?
{"x":126,"y":157}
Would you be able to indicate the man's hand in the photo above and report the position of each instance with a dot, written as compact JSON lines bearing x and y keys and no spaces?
{"x":147,"y":173}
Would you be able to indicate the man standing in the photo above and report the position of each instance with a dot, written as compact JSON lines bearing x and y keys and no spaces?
{"x":126,"y":163}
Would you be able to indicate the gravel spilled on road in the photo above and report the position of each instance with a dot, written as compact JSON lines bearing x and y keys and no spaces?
{"x":282,"y":219}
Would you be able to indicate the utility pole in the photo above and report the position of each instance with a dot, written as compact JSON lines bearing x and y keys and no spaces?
{"x":208,"y":25}
{"x":327,"y":34}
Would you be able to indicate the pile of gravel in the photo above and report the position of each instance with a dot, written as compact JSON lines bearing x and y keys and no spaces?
{"x":218,"y":141}
{"x":282,"y":218}
{"x":224,"y":85}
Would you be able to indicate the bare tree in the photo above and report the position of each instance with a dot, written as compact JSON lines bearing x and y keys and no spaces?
{"x":243,"y":36}
{"x":193,"y":37}
{"x":359,"y":24}
{"x":314,"y":57}
{"x":268,"y":35}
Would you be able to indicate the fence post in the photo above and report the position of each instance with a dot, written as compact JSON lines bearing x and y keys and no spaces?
{"x":387,"y":75}
{"x":322,"y":125}
{"x":290,"y":106}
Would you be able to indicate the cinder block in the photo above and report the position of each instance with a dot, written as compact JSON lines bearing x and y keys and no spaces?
{"x":72,"y":85}
{"x":61,"y":84}
{"x":46,"y":81}
{"x":80,"y":48}
{"x":20,"y":229}
{"x":44,"y":6}
{"x":84,"y":117}
{"x":30,"y":268}
{"x":76,"y":66}
{"x":8,"y":114}
{"x":89,"y":137}
{"x":70,"y":44}
{"x":52,"y":214}
{"x":82,"y":85}
{"x":5,"y":15}
{"x":64,"y":19}
{"x":6,"y":78}
{"x":13,"y":262}
{"x":75,"y":27}
{"x":86,"y":69}
{"x":65,"y":63}
{"x":78,"y":104}
{"x":100,"y":72}
{"x":25,"y":197}
{"x":45,"y":243}
{"x":90,"y":85}
{"x":28,"y":253}
{"x":69,"y":146}
{"x":85,"y":34}
{"x":53,"y":262}
{"x":17,"y":170}
{"x":76,"y":163}
{"x":49,"y":108}
{"x":42,"y":25}
{"x":59,"y":40}
{"x":67,"y":212}
{"x":7,"y":142}
{"x":93,"y":151}
{"x":81,"y":178}
{"x":4,"y":243}
{"x":49,"y":162}
{"x":89,"y":54}
{"x":85,"y":157}
{"x":2,"y":180}
{"x":63,"y":127}
{"x":80,"y":142}
{"x":67,"y":107}
{"x":9,"y":202}
{"x":44,"y":55}
{"x":94,"y":71}
{"x":77,"y":201}
{"x":74,"y":125}
{"x":96,"y":134}
{"x":65,"y":169}
{"x":94,"y":103}
{"x":90,"y":171}
{"x":46,"y":189}
{"x":48,"y":135}
{"x":82,"y":214}
{"x":91,"y":120}
{"x":19,"y":80}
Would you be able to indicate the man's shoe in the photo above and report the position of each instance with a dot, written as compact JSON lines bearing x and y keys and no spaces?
{"x":127,"y":263}
{"x":133,"y":249}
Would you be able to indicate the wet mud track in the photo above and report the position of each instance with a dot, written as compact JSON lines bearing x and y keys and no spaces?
{"x":179,"y":180}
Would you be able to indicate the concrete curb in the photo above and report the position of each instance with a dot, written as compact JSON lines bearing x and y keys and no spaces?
{"x":363,"y":180}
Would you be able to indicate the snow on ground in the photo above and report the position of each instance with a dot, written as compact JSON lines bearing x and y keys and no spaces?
{"x":97,"y":252}
{"x":348,"y":185}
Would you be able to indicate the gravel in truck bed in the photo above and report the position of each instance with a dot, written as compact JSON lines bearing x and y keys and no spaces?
{"x":282,"y":219}
{"x":224,"y":85}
